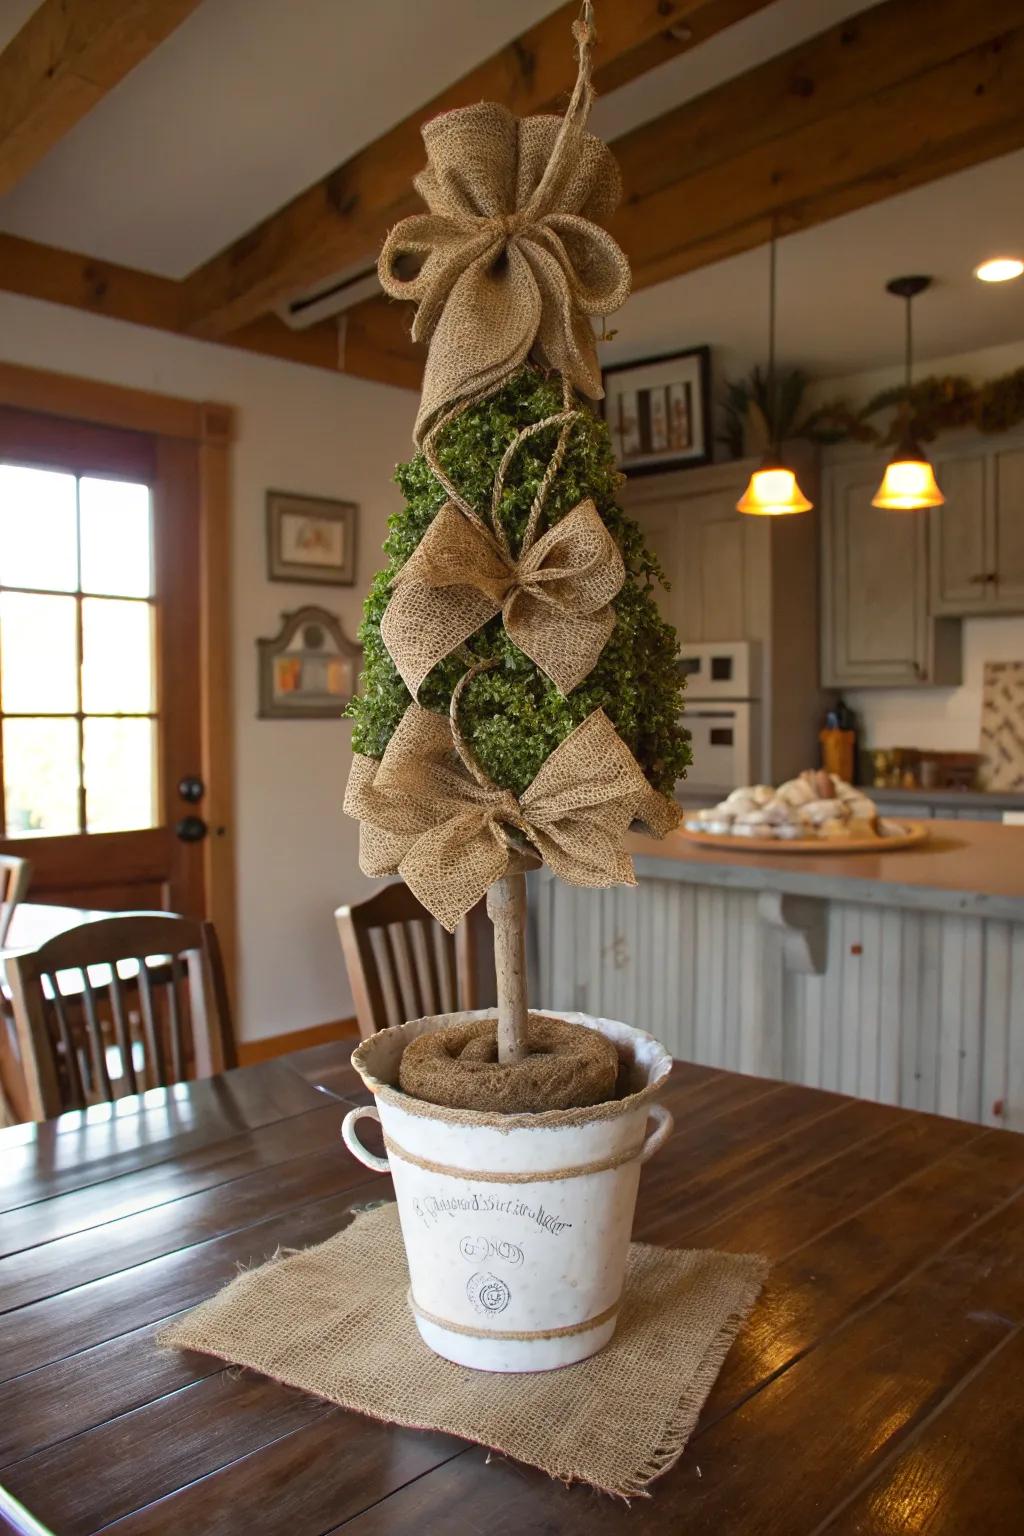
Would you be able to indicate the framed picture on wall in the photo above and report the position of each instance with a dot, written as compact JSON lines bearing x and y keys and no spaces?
{"x":308,"y":670}
{"x":311,"y":538}
{"x":659,"y":411}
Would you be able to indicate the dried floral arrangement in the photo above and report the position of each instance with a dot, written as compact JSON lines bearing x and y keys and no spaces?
{"x":937,"y":404}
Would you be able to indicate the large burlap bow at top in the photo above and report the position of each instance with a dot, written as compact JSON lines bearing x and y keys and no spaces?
{"x":513,"y":256}
{"x":555,"y":599}
{"x":425,"y":817}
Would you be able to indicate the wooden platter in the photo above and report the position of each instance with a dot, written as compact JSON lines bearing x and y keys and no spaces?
{"x":895,"y":834}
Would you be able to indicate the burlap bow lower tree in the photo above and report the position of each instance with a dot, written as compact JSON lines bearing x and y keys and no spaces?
{"x":520,"y":701}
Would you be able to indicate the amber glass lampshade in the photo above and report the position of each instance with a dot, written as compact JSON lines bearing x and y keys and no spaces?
{"x":909,"y":483}
{"x":773,"y":492}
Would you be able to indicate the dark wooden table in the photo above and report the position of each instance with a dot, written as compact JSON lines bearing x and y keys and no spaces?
{"x":878,"y":1388}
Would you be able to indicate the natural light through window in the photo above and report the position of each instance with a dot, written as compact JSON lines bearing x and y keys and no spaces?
{"x":78,"y":722}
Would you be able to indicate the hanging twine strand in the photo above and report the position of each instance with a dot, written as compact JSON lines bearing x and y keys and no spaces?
{"x":488,"y":266}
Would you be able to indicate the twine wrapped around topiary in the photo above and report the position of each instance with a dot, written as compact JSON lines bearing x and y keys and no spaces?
{"x":555,"y":599}
{"x":429,"y":813}
{"x":566,"y":1066}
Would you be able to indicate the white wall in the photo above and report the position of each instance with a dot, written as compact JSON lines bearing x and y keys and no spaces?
{"x":942,"y":719}
{"x":298,"y":429}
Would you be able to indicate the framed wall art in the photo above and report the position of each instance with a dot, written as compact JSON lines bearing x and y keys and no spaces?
{"x":310,"y":538}
{"x":659,"y":411}
{"x":309,"y":670}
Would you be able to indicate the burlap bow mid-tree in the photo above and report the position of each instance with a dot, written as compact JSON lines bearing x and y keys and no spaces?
{"x":521,"y":700}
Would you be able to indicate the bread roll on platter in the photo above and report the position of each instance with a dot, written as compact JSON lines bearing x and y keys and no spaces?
{"x":816,"y":804}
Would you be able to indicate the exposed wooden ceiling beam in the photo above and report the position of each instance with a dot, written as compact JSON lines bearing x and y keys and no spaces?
{"x":899,"y":95}
{"x":338,"y":224}
{"x":374,"y":345}
{"x":905,"y":93}
{"x":66,"y":57}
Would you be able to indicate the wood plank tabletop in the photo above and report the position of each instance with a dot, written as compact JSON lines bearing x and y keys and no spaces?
{"x":877,"y":1388}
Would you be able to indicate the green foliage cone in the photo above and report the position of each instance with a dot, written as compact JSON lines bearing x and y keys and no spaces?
{"x":513,"y":716}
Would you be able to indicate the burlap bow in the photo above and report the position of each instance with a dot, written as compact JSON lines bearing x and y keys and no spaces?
{"x":425,"y":816}
{"x":512,"y":256}
{"x":555,"y":599}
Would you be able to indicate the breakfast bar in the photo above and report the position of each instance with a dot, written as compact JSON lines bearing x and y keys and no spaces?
{"x":893,"y":975}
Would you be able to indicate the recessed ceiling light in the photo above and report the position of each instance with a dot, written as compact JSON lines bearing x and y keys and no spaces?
{"x":1000,"y":269}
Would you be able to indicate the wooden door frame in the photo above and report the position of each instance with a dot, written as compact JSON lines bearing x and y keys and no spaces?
{"x":211,"y":428}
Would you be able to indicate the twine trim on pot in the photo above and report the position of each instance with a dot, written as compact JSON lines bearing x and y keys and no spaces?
{"x":517,"y":1334}
{"x":526,"y":1176}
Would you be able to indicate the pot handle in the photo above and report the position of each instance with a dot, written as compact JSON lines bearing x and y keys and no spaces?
{"x":355,"y":1146}
{"x":660,"y":1134}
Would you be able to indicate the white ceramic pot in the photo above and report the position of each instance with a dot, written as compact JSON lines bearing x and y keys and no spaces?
{"x":516,"y":1227}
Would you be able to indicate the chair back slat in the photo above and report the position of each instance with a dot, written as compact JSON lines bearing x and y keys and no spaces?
{"x":386,"y":961}
{"x":117,"y":1005}
{"x":401,"y":963}
{"x":15,"y":876}
{"x":153,"y":1040}
{"x":122,"y":1031}
{"x":445,"y":950}
{"x":422,"y":935}
{"x":101,"y":1085}
{"x":72,"y":1062}
{"x":409,"y":977}
{"x":174,"y":1022}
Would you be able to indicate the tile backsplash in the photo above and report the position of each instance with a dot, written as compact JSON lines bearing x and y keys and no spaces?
{"x":943,"y":719}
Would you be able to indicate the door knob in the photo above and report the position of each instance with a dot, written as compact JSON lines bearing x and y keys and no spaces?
{"x":191,"y":788}
{"x":191,"y":829}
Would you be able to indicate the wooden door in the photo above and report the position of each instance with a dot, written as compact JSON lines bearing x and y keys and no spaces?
{"x":99,"y":663}
{"x":959,"y":556}
{"x":1007,"y":563}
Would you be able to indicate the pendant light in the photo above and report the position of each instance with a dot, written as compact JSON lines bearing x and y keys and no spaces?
{"x":908,"y":484}
{"x":773,"y":490}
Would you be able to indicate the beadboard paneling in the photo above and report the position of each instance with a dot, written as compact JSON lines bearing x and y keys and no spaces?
{"x":920,"y":1009}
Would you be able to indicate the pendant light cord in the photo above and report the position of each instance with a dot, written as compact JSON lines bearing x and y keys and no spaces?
{"x":910,"y":346}
{"x":772,"y":403}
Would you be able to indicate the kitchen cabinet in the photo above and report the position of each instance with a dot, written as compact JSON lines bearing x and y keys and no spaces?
{"x":877,"y":629}
{"x":976,"y":563}
{"x":734,"y":577}
{"x":1007,"y":592}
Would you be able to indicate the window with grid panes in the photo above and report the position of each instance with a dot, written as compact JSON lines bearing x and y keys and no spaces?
{"x":78,"y":709}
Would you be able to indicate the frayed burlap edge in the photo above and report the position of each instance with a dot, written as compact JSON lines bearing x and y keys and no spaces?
{"x":677,"y":1436}
{"x":611,"y":1109}
{"x":749,"y":1271}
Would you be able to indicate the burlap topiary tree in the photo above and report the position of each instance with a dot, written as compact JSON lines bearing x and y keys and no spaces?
{"x":520,"y":700}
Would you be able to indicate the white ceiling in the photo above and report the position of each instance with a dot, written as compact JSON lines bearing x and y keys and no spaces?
{"x":250,"y":101}
{"x":834,"y":315}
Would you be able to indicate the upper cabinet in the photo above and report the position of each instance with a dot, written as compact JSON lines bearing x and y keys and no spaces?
{"x":877,"y":630}
{"x":690,"y":520}
{"x":734,"y":577}
{"x":1007,"y":591}
{"x":976,"y":561}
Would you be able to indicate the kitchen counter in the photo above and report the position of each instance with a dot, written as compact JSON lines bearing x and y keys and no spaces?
{"x":896,"y":976}
{"x":962,"y":866}
{"x":965,"y":804}
{"x":955,"y":799}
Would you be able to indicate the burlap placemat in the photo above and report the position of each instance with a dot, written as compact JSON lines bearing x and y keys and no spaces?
{"x":333,"y":1320}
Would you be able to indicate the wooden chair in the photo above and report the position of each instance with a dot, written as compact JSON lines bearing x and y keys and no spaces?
{"x":402,"y":964}
{"x":117,"y":1006}
{"x":15,"y":875}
